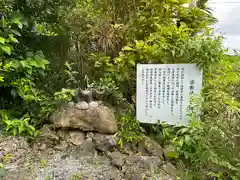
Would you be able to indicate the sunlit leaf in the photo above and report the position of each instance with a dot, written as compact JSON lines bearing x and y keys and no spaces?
{"x":14,"y":131}
{"x":12,"y":38}
{"x":15,"y":32}
{"x":15,"y":64}
{"x":127,"y":48}
{"x":2,"y":40}
{"x":6,"y":49}
{"x":18,"y":22}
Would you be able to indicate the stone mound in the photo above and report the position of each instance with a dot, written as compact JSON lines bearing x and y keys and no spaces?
{"x":85,"y":116}
{"x":81,"y":144}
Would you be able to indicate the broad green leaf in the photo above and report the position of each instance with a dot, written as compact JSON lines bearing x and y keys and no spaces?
{"x":171,"y":154}
{"x":18,"y":22}
{"x":188,"y":140}
{"x":15,"y":64}
{"x":131,"y":62}
{"x":21,"y":128}
{"x":181,"y":142}
{"x":2,"y":40}
{"x":29,"y":70}
{"x":33,"y":63}
{"x":6,"y":49}
{"x":127,"y":48}
{"x":23,"y":63}
{"x":3,"y":172}
{"x":12,"y":38}
{"x":1,"y":79}
{"x":15,"y":32}
{"x":41,"y":61}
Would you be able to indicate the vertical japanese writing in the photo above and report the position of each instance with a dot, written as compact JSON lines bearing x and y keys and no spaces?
{"x":155,"y":88}
{"x":172,"y":90}
{"x":146,"y":91}
{"x":191,"y":90}
{"x":163,"y":86}
{"x":177,"y":86}
{"x":191,"y":87}
{"x":151,"y":89}
{"x":181,"y":93}
{"x":159,"y":87}
{"x":143,"y":75}
{"x":168,"y":84}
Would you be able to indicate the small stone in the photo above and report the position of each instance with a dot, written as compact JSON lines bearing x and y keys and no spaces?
{"x":104,"y":142}
{"x":170,"y":169}
{"x":152,"y":147}
{"x":42,"y":147}
{"x":71,"y":104}
{"x":77,"y":137}
{"x":82,"y":105}
{"x":93,"y":104}
{"x":62,"y":146}
{"x":116,"y":159}
{"x":87,"y":145}
{"x":63,"y":134}
{"x":90,"y":135}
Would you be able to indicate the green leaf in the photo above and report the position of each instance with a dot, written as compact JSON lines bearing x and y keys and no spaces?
{"x":1,"y":79}
{"x":172,"y":154}
{"x":18,"y":22}
{"x":33,"y":63}
{"x":23,"y":63}
{"x":37,"y":132}
{"x":29,"y":70}
{"x":15,"y":32}
{"x":188,"y":140}
{"x":127,"y":48}
{"x":131,"y":62}
{"x":15,"y":64}
{"x":12,"y":38}
{"x":41,"y":62}
{"x":3,"y":172}
{"x":8,"y":122}
{"x":21,"y":128}
{"x":6,"y":49}
{"x":181,"y":142}
{"x":2,"y":40}
{"x":14,"y":132}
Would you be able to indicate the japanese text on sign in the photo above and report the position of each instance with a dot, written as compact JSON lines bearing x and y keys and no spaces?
{"x":164,"y":90}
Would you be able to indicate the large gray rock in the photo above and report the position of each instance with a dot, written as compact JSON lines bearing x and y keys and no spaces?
{"x":86,"y":117}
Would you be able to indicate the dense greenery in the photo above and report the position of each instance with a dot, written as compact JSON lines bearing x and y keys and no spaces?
{"x":49,"y":48}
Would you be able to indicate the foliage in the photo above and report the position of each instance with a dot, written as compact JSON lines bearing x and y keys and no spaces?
{"x":210,"y":147}
{"x":23,"y":64}
{"x":18,"y":126}
{"x":130,"y":131}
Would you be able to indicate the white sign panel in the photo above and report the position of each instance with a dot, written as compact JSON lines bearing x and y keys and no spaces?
{"x":164,"y":90}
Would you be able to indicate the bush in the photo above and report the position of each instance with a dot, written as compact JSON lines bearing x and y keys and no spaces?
{"x":210,"y":147}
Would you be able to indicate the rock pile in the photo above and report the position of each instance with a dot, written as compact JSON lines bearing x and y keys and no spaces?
{"x":83,"y":143}
{"x":85,"y":116}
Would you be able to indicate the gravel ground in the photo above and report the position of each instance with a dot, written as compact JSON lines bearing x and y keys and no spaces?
{"x":25,"y":162}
